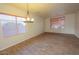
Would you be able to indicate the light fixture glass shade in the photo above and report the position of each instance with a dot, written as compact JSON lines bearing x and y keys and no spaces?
{"x":28,"y":19}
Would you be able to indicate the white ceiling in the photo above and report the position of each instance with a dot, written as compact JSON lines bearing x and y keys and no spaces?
{"x":48,"y":9}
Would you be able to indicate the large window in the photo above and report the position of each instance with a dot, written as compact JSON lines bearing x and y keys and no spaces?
{"x":12,"y":25}
{"x":57,"y":22}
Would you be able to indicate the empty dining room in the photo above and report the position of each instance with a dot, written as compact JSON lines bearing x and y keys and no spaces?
{"x":39,"y":28}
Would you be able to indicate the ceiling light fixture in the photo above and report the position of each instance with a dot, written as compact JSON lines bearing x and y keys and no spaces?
{"x":28,"y":18}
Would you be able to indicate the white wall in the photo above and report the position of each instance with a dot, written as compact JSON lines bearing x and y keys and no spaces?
{"x":69,"y":26}
{"x":33,"y":29}
{"x":77,"y":25}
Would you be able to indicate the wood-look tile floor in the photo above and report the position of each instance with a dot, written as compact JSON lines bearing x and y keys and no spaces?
{"x":46,"y":44}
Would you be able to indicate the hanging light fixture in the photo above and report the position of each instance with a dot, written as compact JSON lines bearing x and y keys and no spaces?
{"x":28,"y":18}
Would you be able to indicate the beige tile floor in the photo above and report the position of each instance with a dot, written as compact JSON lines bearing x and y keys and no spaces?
{"x":46,"y":44}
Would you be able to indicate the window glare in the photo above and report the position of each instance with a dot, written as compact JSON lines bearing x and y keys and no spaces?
{"x":57,"y":22}
{"x":21,"y":19}
{"x":6,"y":17}
{"x":11,"y":25}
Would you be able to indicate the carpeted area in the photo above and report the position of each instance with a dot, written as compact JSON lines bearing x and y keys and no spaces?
{"x":46,"y":44}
